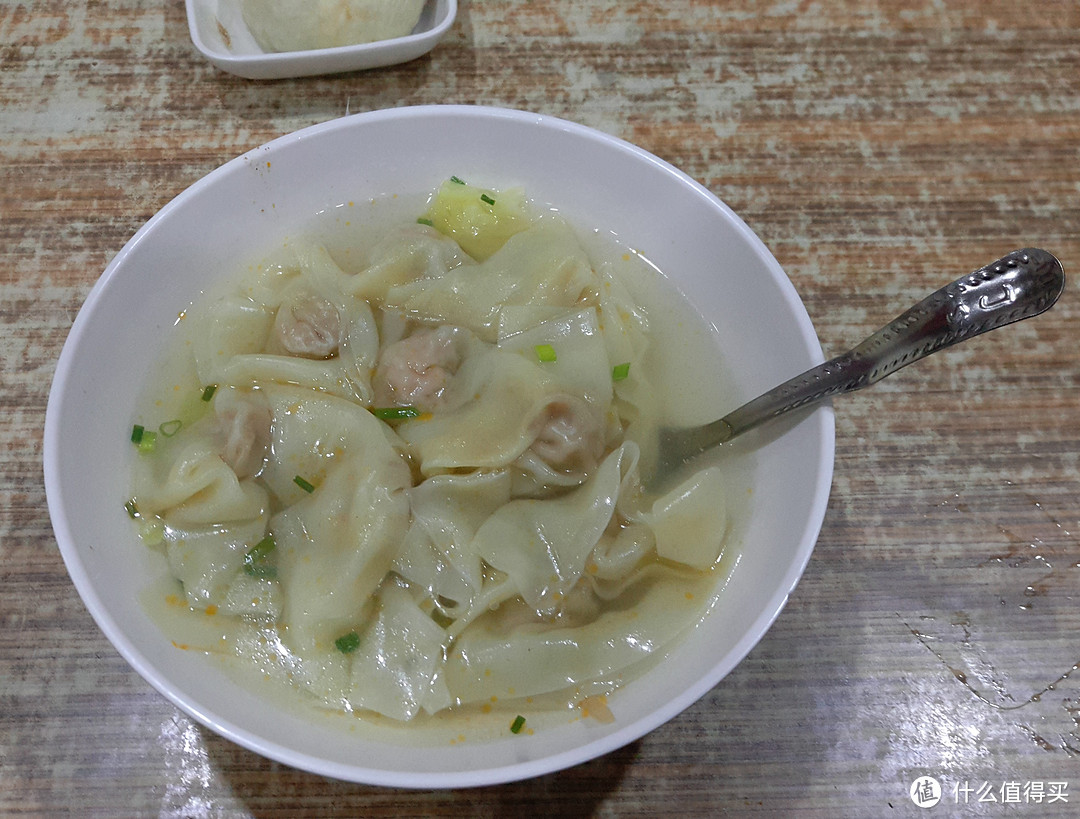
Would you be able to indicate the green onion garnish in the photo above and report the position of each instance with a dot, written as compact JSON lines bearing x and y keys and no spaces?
{"x":395,"y":413}
{"x":517,"y":724}
{"x":152,"y":532}
{"x":254,"y":560}
{"x":132,"y":509}
{"x":545,"y":352}
{"x":262,"y":549}
{"x":170,"y":428}
{"x":348,"y":643}
{"x":485,"y":198}
{"x":208,"y":393}
{"x":423,"y":221}
{"x":137,"y":433}
{"x":147,"y":441}
{"x":456,"y":180}
{"x":620,"y":371}
{"x":305,"y":485}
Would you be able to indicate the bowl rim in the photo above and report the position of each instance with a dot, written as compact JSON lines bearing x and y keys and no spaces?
{"x":822,"y":420}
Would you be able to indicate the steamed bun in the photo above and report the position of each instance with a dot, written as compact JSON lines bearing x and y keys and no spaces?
{"x":300,"y":25}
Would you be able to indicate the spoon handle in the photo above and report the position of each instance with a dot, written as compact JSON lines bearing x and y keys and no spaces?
{"x":1018,"y":286}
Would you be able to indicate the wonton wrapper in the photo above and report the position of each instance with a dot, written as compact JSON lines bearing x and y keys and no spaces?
{"x":506,"y":570}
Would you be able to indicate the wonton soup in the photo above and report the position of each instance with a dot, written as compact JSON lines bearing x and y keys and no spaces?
{"x":401,"y":472}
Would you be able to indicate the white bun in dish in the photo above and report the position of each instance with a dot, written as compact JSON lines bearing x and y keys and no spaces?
{"x":301,"y":25}
{"x":248,"y":205}
{"x":308,"y":48}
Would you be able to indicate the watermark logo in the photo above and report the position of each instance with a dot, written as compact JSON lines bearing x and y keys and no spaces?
{"x":925,"y":791}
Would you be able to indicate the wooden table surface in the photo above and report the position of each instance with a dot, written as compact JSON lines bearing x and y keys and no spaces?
{"x":879,"y":149}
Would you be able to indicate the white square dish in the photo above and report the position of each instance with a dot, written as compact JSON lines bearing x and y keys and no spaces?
{"x":219,"y":33}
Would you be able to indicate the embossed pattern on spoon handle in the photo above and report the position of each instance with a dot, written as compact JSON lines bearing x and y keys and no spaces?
{"x":1020,"y":285}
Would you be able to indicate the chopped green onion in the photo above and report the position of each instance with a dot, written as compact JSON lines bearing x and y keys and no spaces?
{"x":152,"y":532}
{"x":457,"y":181}
{"x":620,"y":371}
{"x":255,"y":560}
{"x":137,"y":433}
{"x":348,"y":643}
{"x":545,"y":352}
{"x":517,"y":724}
{"x":485,"y":198}
{"x":395,"y":413}
{"x":208,"y":393}
{"x":132,"y":509}
{"x":260,"y":571}
{"x":424,"y":221}
{"x":261,"y":550}
{"x":305,"y":485}
{"x":147,"y":441}
{"x":170,"y":428}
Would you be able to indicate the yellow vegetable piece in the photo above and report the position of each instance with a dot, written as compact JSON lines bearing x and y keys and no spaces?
{"x":479,"y":220}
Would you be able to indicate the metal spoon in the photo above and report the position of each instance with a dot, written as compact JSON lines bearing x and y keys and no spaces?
{"x":1018,"y":286}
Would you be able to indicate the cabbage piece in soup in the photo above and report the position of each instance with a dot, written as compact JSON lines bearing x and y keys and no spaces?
{"x":410,"y":485}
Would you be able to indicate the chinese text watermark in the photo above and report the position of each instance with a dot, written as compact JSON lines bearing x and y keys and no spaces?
{"x":926,"y":792}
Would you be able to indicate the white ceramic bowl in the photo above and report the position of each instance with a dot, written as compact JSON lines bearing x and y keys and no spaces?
{"x":245,"y":207}
{"x":219,"y":33}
